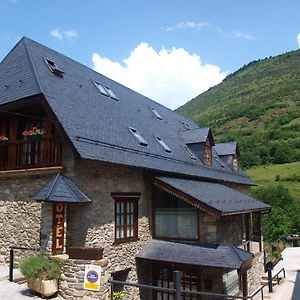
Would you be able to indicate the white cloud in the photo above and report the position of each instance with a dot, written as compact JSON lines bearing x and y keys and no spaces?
{"x":187,"y":24}
{"x":171,"y":77}
{"x":61,"y":35}
{"x":57,"y":34}
{"x":298,"y":39}
{"x":243,"y":35}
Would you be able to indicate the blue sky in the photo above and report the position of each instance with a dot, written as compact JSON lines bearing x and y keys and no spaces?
{"x":170,"y":51}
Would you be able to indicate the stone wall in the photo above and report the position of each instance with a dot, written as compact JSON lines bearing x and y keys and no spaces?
{"x":20,"y":217}
{"x":92,"y":224}
{"x":256,"y":272}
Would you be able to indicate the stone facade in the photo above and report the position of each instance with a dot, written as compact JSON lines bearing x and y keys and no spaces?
{"x":20,"y":218}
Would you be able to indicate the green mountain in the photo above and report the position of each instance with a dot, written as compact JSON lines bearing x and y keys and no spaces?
{"x":258,"y":106}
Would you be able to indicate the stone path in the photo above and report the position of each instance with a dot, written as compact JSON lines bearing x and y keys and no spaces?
{"x":289,"y":288}
{"x":15,"y":291}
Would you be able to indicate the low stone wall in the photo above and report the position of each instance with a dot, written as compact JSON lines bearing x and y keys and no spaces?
{"x":72,"y":280}
{"x":256,"y":272}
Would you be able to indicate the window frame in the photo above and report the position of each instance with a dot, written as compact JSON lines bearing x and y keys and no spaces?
{"x":125,"y":199}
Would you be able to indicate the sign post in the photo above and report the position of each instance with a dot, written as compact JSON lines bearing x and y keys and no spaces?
{"x":92,"y":278}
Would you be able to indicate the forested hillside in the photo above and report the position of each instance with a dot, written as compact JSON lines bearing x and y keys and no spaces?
{"x":259,"y":107}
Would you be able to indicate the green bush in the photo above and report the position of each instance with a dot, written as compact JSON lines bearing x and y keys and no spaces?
{"x":40,"y":266}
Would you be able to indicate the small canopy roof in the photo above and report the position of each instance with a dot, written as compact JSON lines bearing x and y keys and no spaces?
{"x":61,"y":189}
{"x":211,"y":197}
{"x":209,"y":255}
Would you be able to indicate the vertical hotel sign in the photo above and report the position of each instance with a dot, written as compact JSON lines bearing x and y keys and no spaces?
{"x":58,"y":230}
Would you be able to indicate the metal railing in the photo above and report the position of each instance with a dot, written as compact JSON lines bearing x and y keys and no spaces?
{"x":11,"y":258}
{"x":177,"y":291}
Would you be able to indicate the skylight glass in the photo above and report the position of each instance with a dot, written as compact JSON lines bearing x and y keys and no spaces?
{"x":53,"y":67}
{"x":140,"y":139}
{"x":157,"y":115}
{"x":101,"y":89}
{"x":189,"y":152}
{"x":185,"y":125}
{"x":163,"y":144}
{"x":111,"y":93}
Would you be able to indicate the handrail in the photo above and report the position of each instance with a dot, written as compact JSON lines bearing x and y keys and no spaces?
{"x":11,"y":258}
{"x":182,"y":292}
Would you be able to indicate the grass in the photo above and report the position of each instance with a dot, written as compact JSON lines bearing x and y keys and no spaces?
{"x":287,"y":175}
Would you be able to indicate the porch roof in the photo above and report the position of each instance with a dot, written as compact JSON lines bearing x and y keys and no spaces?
{"x":211,"y":197}
{"x":209,"y":255}
{"x":61,"y":189}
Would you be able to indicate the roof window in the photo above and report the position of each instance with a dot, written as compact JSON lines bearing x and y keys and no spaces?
{"x":163,"y":144}
{"x":105,"y":91}
{"x":157,"y":115}
{"x":189,"y":152}
{"x":185,"y":125}
{"x":54,"y":68}
{"x":140,"y":139}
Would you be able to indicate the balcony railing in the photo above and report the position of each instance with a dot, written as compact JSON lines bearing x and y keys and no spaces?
{"x":33,"y":152}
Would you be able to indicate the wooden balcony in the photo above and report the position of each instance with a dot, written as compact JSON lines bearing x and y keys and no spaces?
{"x":34,"y":152}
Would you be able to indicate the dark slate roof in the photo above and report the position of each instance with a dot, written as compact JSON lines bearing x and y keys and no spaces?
{"x":219,"y":256}
{"x":61,"y":189}
{"x":198,"y":135}
{"x":98,"y":125}
{"x":220,"y":198}
{"x":226,"y":148}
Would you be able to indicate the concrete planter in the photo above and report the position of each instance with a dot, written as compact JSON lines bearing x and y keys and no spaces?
{"x":44,"y":287}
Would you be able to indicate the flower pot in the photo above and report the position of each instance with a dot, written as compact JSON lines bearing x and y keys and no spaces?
{"x":44,"y":287}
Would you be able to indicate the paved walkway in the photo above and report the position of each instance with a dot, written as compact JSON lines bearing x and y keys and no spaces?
{"x":14,"y":291}
{"x":289,"y":288}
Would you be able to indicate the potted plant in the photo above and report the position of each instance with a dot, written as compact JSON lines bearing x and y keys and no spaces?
{"x":34,"y":132}
{"x":3,"y":138}
{"x":42,"y":273}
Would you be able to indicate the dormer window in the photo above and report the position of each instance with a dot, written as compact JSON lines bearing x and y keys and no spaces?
{"x":207,"y":154}
{"x":54,"y":68}
{"x":235,"y":163}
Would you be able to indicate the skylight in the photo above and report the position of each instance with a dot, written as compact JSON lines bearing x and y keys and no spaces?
{"x":105,"y":91}
{"x":111,"y":93}
{"x":189,"y":152}
{"x":163,"y":144}
{"x":140,"y":139}
{"x":185,"y":125}
{"x":54,"y":68}
{"x":157,"y":115}
{"x":101,"y":89}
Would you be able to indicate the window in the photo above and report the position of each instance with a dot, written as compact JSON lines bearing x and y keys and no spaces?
{"x":53,"y":67}
{"x":140,"y":139}
{"x":174,"y":218}
{"x":235,"y":164}
{"x":189,"y":152}
{"x":231,"y":282}
{"x":163,"y":277}
{"x":163,"y":144}
{"x":157,"y":115}
{"x":126,"y":218}
{"x":105,"y":91}
{"x":207,"y":154}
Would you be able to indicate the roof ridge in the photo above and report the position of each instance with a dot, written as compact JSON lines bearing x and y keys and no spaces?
{"x":28,"y":55}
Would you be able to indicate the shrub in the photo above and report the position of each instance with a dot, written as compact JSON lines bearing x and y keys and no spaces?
{"x":40,"y":266}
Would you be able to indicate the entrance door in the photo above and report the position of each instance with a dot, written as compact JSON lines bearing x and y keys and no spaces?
{"x":163,"y":277}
